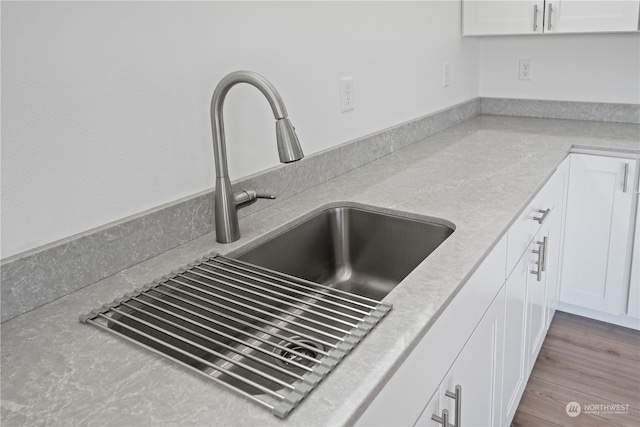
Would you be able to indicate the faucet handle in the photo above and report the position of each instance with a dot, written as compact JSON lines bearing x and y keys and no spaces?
{"x":247,"y":197}
{"x":265,"y":196}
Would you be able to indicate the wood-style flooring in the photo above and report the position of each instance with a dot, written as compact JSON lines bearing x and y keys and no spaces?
{"x":588,"y":362}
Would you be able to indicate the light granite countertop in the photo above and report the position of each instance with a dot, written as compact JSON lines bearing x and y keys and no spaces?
{"x":478,"y":175}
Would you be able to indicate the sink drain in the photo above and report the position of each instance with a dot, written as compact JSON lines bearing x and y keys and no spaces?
{"x":295,"y":347}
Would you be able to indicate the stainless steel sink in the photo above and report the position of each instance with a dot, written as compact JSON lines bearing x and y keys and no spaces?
{"x":273,"y":322}
{"x":356,"y":250}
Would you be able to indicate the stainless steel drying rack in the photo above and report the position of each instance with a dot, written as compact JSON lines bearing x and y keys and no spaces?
{"x":268,"y":336}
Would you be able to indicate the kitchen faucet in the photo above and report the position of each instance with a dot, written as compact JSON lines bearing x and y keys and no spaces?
{"x":227,"y":202}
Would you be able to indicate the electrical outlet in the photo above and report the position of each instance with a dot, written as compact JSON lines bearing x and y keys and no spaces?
{"x":525,"y":69}
{"x":445,"y":74}
{"x":347,"y":99}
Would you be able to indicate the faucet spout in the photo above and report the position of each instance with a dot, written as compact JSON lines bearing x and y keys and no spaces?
{"x":227,"y":202}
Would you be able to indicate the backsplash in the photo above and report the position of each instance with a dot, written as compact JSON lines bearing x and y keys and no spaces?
{"x":42,"y":275}
{"x":39,"y":276}
{"x":593,"y":111}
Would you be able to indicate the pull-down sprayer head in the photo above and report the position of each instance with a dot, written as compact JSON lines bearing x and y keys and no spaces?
{"x":288,"y":145}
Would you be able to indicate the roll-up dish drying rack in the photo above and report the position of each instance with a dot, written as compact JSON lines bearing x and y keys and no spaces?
{"x":267,"y":336}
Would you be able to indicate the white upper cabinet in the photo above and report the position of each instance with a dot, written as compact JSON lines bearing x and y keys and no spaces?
{"x":502,"y":17}
{"x":482,"y":17}
{"x":580,"y":16}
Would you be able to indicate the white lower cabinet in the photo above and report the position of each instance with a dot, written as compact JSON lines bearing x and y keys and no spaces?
{"x":472,"y":366}
{"x":514,"y":364}
{"x":555,"y":245}
{"x":433,"y":407}
{"x":536,"y":286}
{"x":633,"y":306}
{"x":525,"y":318}
{"x":467,"y":395}
{"x":532,"y":290}
{"x":439,"y":358}
{"x":599,"y":237}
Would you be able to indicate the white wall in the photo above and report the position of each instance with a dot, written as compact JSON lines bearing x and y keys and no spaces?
{"x":105,"y":106}
{"x":581,"y":67}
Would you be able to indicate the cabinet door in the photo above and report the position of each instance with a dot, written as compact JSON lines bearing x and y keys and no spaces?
{"x":536,"y":294}
{"x":556,"y":243}
{"x":482,"y":17}
{"x":477,"y":373}
{"x":553,"y":264}
{"x":402,"y":400}
{"x":514,"y":372}
{"x":579,"y":16}
{"x":433,"y":407}
{"x":471,"y":390}
{"x":633,"y":308}
{"x":598,"y":233}
{"x":525,"y":323}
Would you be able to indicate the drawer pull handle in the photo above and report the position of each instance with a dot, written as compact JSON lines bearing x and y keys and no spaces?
{"x":457,"y":396}
{"x":550,"y":12}
{"x":542,"y":218}
{"x":542,"y":248}
{"x":444,"y":419}
{"x":535,"y":17}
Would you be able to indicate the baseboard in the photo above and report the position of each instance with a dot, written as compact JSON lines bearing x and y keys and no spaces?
{"x":620,"y":320}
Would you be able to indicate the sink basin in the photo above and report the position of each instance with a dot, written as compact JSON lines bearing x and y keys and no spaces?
{"x":357,"y":250}
{"x":270,"y":323}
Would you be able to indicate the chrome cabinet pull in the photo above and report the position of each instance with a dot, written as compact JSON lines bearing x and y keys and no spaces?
{"x":457,"y":396}
{"x":543,"y":251}
{"x":535,"y":17}
{"x":444,"y":419}
{"x":542,"y":218}
{"x":625,"y":183}
{"x":538,"y":272}
{"x":549,"y":17}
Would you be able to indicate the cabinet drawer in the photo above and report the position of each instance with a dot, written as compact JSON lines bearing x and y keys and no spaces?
{"x":532,"y":218}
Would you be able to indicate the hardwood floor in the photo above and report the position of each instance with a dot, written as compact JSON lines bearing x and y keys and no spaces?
{"x":588,"y":362}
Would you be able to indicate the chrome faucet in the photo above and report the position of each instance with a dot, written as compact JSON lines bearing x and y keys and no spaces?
{"x":227,"y":202}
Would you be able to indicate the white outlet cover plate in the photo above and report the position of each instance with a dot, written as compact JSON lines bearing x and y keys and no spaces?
{"x":347,"y":100}
{"x":525,"y":68}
